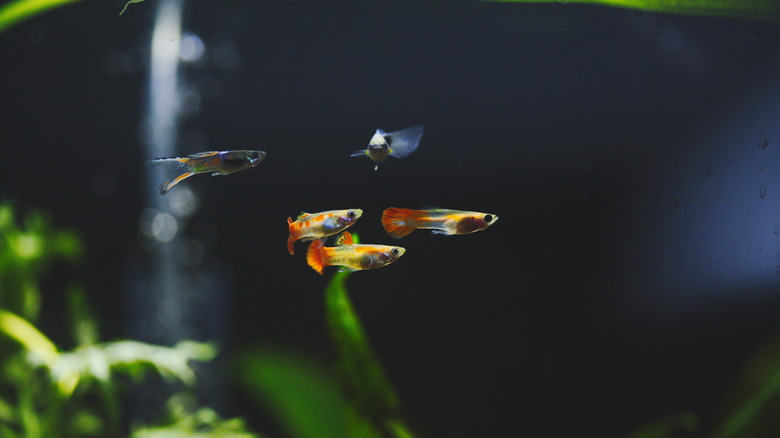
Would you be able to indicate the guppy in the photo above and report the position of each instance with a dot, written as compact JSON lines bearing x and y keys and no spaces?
{"x":400,"y":222}
{"x":216,"y":162}
{"x":397,"y":144}
{"x":351,"y":256}
{"x":310,"y":226}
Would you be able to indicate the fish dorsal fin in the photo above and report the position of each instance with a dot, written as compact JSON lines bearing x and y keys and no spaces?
{"x":344,"y":239}
{"x":204,"y":154}
{"x":300,"y":215}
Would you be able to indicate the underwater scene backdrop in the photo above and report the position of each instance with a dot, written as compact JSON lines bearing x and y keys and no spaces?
{"x":633,"y":277}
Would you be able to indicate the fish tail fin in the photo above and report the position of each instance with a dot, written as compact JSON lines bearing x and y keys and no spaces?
{"x":158,"y":161}
{"x":290,"y":241}
{"x":399,"y":222}
{"x":168,"y":185}
{"x":314,"y":256}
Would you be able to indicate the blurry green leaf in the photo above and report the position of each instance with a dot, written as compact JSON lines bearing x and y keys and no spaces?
{"x":188,"y":422}
{"x":86,"y":423}
{"x":128,"y":4}
{"x":7,"y":414}
{"x":25,"y":252}
{"x":751,"y":401}
{"x":364,"y":379}
{"x":16,"y":11}
{"x":30,"y":299}
{"x":369,"y":393}
{"x":757,"y":9}
{"x":95,"y":361}
{"x":6,"y":216}
{"x":305,"y":399}
{"x":667,"y":427}
{"x":85,"y":330}
{"x":7,"y":432}
{"x":67,"y":245}
{"x":26,"y":246}
{"x":29,"y":418}
{"x":26,"y":334}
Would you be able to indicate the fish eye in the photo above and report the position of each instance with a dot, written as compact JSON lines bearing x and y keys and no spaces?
{"x":395,"y":251}
{"x":351,"y":214}
{"x":488,"y":218}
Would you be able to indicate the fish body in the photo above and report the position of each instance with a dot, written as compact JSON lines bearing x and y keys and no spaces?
{"x":310,"y":226}
{"x":214,"y":162}
{"x":400,"y":222}
{"x":350,"y":256}
{"x":397,"y":144}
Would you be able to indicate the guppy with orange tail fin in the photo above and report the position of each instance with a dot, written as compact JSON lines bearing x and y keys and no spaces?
{"x":215,"y":162}
{"x":400,"y":222}
{"x":351,"y":256}
{"x":310,"y":226}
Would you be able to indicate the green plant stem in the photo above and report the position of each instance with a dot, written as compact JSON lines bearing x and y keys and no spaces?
{"x":735,"y":423}
{"x":756,"y":9}
{"x":374,"y":407}
{"x":27,"y":414}
{"x":26,"y":334}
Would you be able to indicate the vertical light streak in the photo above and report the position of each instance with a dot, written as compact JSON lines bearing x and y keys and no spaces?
{"x":161,"y":135}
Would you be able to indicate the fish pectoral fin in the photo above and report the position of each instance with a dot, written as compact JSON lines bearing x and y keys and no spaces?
{"x":405,"y":141}
{"x":359,"y":153}
{"x":168,"y":185}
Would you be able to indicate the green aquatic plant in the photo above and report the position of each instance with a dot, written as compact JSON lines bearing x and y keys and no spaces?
{"x":308,"y":401}
{"x":48,"y":383}
{"x":748,"y":408}
{"x":756,"y":9}
{"x":299,"y":392}
{"x":373,"y":406}
{"x":28,"y":247}
{"x":128,"y":4}
{"x":49,"y":391}
{"x":16,"y":11}
{"x":186,"y":419}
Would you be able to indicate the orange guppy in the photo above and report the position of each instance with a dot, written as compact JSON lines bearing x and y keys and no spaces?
{"x":351,"y":256}
{"x":400,"y":222}
{"x":310,"y":226}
